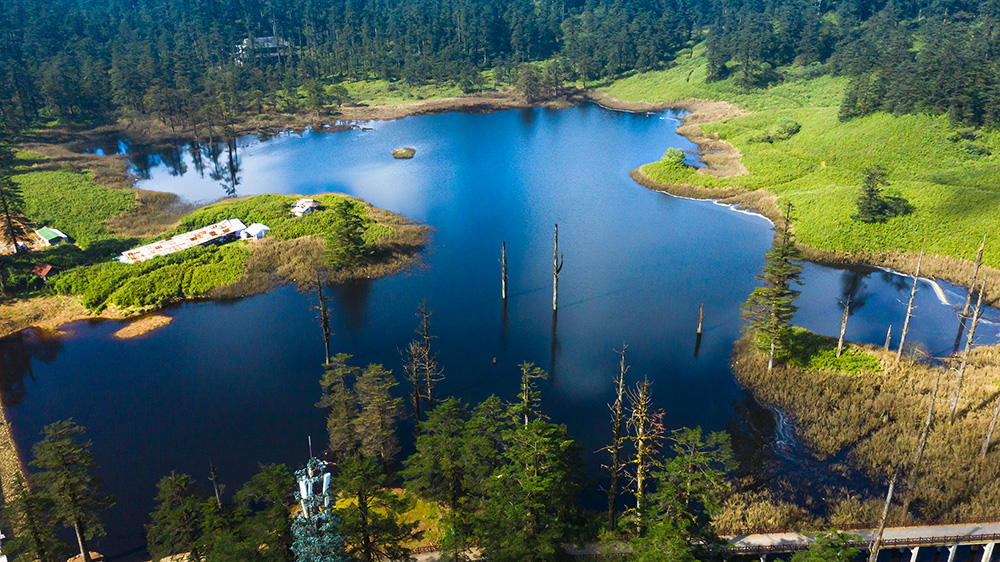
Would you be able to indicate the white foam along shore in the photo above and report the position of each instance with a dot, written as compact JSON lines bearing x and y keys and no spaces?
{"x":935,"y":286}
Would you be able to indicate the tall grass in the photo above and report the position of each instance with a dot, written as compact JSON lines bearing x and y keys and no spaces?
{"x":874,"y":417}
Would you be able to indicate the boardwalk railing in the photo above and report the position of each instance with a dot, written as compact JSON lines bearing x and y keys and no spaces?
{"x":942,"y":540}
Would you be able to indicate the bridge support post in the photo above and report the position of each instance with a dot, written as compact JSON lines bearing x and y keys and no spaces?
{"x":913,"y":553}
{"x":952,"y":551}
{"x":988,"y":552}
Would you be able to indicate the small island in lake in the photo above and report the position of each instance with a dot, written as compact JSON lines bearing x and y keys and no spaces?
{"x":404,"y":153}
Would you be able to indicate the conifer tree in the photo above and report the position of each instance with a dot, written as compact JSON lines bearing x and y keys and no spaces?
{"x":340,"y":398}
{"x":67,"y":467}
{"x":872,"y":206}
{"x":770,"y":308}
{"x":376,"y":424}
{"x":177,"y":522}
{"x":31,"y":515}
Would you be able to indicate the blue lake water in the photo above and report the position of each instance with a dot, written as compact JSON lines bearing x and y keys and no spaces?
{"x":234,"y":383}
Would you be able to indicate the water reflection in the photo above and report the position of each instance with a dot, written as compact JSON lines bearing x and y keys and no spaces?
{"x":853,"y":289}
{"x":226,"y":174}
{"x":16,"y":355}
{"x":352,"y":299}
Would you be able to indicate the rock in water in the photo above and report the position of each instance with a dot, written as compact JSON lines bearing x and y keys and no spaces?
{"x":404,"y":153}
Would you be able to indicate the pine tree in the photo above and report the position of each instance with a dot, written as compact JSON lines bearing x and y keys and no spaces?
{"x":770,"y":308}
{"x":340,"y":398}
{"x":270,"y":492}
{"x":31,"y":515}
{"x":872,"y":206}
{"x":178,"y":519}
{"x":372,"y":522}
{"x":527,"y":400}
{"x":376,"y":424}
{"x":66,"y":465}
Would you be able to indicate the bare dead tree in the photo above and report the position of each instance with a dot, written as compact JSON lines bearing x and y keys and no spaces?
{"x":909,"y":308}
{"x":888,"y":337}
{"x":975,"y":277}
{"x":877,"y":541}
{"x":429,"y":366}
{"x":557,"y":265}
{"x":646,"y":430}
{"x":617,"y":440}
{"x":843,"y":325}
{"x":213,"y":477}
{"x":412,"y":362}
{"x":976,"y":315}
{"x":918,"y":457}
{"x":701,"y":316}
{"x":503,"y":271}
{"x":989,"y":433}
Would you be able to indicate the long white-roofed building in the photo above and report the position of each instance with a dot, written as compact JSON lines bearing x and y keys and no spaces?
{"x":213,"y":232}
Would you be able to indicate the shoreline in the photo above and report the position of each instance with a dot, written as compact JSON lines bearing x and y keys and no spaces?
{"x":954,"y":270}
{"x":722,"y":159}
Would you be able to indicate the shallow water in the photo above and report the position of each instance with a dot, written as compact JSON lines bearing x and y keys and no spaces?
{"x":234,"y":383}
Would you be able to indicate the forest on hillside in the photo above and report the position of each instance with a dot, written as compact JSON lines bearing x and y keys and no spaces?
{"x":181,"y":61}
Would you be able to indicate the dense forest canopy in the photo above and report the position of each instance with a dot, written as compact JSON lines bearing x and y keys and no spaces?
{"x":180,"y":60}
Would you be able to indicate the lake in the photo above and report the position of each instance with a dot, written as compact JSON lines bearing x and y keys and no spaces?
{"x":234,"y":384}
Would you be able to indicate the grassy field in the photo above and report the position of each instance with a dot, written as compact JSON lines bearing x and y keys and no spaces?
{"x":954,"y":187}
{"x":71,"y":201}
{"x":386,"y":92}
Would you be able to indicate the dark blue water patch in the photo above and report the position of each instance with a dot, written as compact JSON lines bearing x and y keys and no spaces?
{"x":234,"y":384}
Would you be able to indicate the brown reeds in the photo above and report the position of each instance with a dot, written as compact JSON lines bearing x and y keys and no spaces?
{"x":877,"y":418}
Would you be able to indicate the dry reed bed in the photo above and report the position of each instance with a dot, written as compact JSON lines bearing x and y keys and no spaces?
{"x":876,"y":417}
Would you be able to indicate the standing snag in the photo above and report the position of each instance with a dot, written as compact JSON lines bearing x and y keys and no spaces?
{"x":557,"y":265}
{"x":617,"y":440}
{"x":909,"y":308}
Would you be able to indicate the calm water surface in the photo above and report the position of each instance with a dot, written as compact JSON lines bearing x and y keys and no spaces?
{"x":235,"y":383}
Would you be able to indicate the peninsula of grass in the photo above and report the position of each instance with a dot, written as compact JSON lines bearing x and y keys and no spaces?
{"x":868,"y":412}
{"x":296,"y":250}
{"x":103,"y":221}
{"x":950,"y":180}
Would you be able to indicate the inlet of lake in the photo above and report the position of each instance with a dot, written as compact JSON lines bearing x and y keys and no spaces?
{"x":234,"y":384}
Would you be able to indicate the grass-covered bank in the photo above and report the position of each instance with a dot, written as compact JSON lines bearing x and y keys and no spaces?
{"x":950,"y":175}
{"x":870,"y":412}
{"x":298,"y":250}
{"x":104,"y":216}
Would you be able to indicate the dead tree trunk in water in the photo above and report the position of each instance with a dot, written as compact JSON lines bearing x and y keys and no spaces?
{"x":843,"y":327}
{"x":976,"y":315}
{"x":701,"y":316}
{"x":503,"y":271}
{"x":909,"y":308}
{"x":557,"y":264}
{"x":975,"y":276}
{"x":324,"y":317}
{"x":877,"y":541}
{"x":919,"y":456}
{"x":617,"y":439}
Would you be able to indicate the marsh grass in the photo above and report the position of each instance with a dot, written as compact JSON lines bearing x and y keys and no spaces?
{"x":874,"y":417}
{"x":955,"y":191}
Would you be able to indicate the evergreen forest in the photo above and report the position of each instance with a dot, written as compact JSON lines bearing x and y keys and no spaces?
{"x":205,"y":62}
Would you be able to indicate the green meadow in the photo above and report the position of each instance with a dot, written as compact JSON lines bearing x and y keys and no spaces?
{"x":950,"y":175}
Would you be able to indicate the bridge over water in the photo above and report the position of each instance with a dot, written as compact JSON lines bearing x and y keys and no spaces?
{"x":913,"y":539}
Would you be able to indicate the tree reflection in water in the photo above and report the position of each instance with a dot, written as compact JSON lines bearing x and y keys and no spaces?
{"x":17,"y":352}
